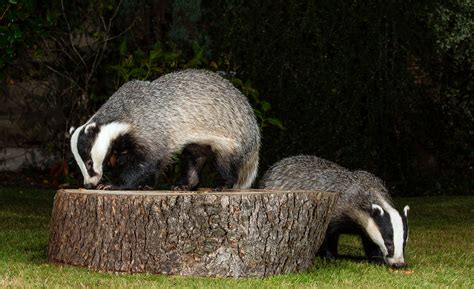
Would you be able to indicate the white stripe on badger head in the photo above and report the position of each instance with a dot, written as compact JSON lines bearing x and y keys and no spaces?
{"x":89,"y":126}
{"x":75,"y":152}
{"x":107,"y":134}
{"x":405,"y":210}
{"x":379,"y":208}
{"x":397,"y":225}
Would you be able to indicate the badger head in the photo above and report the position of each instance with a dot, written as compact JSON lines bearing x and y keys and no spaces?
{"x":91,"y":144}
{"x":389,"y":230}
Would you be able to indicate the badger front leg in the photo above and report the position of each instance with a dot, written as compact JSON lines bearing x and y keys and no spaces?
{"x":372,"y":251}
{"x":134,"y":173}
{"x":194,"y":157}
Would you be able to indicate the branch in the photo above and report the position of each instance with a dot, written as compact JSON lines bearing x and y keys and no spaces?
{"x":70,"y":34}
{"x":99,"y":56}
{"x":5,"y":12}
{"x":66,"y":77}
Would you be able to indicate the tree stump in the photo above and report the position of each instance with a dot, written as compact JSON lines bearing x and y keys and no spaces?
{"x":236,"y":233}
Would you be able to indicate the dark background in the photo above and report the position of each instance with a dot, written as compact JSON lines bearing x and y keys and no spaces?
{"x":384,"y":86}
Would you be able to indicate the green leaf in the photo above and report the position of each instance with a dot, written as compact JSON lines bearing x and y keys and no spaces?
{"x":122,"y":72}
{"x":265,"y":106}
{"x":258,"y":113}
{"x":237,"y":82}
{"x":123,"y":48}
{"x":276,"y":122}
{"x":155,"y":54}
{"x":138,"y":72}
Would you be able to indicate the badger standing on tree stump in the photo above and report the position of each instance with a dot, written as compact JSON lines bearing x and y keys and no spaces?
{"x":364,"y":206}
{"x":193,"y":111}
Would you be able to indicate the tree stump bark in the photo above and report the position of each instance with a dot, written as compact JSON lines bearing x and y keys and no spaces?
{"x":234,"y":233}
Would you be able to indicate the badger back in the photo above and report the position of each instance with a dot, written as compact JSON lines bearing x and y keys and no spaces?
{"x":301,"y":172}
{"x":185,"y":103}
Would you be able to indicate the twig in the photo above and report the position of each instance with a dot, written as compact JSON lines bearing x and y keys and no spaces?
{"x":5,"y":12}
{"x":62,"y":49}
{"x":98,"y":58}
{"x":65,"y":76}
{"x":70,"y":34}
{"x":121,"y":33}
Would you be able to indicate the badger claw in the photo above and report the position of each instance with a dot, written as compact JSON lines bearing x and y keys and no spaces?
{"x":181,"y":188}
{"x":104,"y":187}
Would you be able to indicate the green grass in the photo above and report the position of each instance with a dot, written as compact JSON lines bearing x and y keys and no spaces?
{"x":440,"y":252}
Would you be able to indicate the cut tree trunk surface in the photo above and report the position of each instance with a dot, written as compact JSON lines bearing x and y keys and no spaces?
{"x":238,"y":233}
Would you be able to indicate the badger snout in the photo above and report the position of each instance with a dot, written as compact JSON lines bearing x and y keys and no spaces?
{"x":88,"y":186}
{"x":396,"y":262}
{"x":399,"y":265}
{"x":91,"y":183}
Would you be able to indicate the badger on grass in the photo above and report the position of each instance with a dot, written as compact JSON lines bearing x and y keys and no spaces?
{"x":195,"y":112}
{"x":364,"y":206}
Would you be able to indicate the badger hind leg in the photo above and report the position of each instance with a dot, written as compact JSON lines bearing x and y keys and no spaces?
{"x":228,"y":167}
{"x":329,"y":247}
{"x":193,"y":157}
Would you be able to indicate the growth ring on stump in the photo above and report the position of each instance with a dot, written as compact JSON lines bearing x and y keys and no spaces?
{"x":236,"y":233}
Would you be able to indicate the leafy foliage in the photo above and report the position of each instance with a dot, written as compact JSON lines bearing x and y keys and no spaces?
{"x":381,"y":86}
{"x":164,"y":58}
{"x":22,"y":23}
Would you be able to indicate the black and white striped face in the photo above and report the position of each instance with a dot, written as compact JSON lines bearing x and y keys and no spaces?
{"x":90,"y":144}
{"x":389,"y":230}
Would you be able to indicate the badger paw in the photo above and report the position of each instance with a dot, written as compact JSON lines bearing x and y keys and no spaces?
{"x":104,"y":187}
{"x":219,"y":189}
{"x":181,"y":188}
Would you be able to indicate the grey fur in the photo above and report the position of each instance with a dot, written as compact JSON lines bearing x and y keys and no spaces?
{"x":167,"y":114}
{"x":358,"y":191}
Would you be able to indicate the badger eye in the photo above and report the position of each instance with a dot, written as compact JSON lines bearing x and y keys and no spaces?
{"x":89,"y":164}
{"x":389,"y":245}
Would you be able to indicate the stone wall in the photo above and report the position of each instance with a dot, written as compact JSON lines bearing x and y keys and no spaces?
{"x":27,"y":118}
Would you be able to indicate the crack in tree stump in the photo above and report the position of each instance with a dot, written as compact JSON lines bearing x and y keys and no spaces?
{"x":237,"y":233}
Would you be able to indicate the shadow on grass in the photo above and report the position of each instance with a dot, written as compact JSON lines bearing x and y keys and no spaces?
{"x":38,"y":254}
{"x":352,"y":258}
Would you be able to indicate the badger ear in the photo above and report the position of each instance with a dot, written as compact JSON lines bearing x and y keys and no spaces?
{"x":72,"y":129}
{"x":376,"y":209}
{"x":91,"y":128}
{"x":405,"y":210}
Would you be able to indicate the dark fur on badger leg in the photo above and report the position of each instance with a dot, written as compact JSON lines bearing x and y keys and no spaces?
{"x":194,"y":157}
{"x":372,"y":251}
{"x":135,"y":173}
{"x":228,"y":169}
{"x":329,"y":247}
